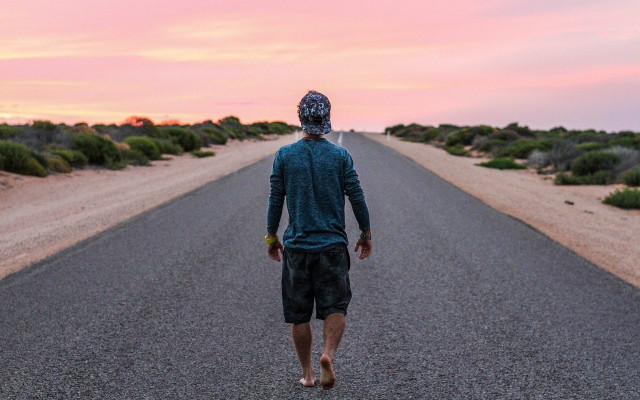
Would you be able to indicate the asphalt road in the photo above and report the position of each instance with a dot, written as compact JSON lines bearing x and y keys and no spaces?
{"x":457,"y":301}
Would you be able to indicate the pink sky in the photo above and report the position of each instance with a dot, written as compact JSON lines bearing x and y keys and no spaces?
{"x":539,"y":62}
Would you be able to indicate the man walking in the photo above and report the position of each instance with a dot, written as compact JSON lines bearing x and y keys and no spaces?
{"x":314,"y":175}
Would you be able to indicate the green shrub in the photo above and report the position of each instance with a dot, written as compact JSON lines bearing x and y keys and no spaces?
{"x":186,"y":138}
{"x":598,"y":178}
{"x":168,"y":147}
{"x":97,"y":149}
{"x":592,"y":146}
{"x":491,"y":144}
{"x":627,"y":198}
{"x":592,"y":162}
{"x":563,"y":178}
{"x":502,"y":163}
{"x":457,"y":150}
{"x":145,"y":145}
{"x":8,"y":131}
{"x":41,"y":158}
{"x":562,"y":154}
{"x":631,"y":177}
{"x":506,"y":135}
{"x":215,"y":135}
{"x":202,"y":154}
{"x":135,"y":157}
{"x":464,"y":137}
{"x":58,"y":164}
{"x":44,"y":125}
{"x":429,"y":134}
{"x":522,"y":148}
{"x":75,"y":158}
{"x":17,"y":158}
{"x":1,"y":162}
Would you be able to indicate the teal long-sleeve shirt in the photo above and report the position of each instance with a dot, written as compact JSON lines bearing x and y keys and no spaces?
{"x":314,"y":175}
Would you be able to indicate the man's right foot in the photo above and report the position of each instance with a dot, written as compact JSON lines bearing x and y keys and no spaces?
{"x":327,"y":376}
{"x":310,"y":382}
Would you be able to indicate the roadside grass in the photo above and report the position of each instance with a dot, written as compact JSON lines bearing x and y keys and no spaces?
{"x":202,"y":154}
{"x":34,"y":149}
{"x":502,"y":163}
{"x":625,"y":199}
{"x":631,"y":177}
{"x":456,"y":150}
{"x":576,"y":157}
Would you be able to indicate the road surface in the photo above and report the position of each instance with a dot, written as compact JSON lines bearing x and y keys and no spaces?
{"x":457,"y":301}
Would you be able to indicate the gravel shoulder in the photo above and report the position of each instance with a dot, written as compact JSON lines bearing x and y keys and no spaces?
{"x":40,"y":217}
{"x":606,"y":236}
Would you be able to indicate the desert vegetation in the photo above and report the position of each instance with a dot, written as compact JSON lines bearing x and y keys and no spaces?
{"x":42,"y":147}
{"x":573,"y":157}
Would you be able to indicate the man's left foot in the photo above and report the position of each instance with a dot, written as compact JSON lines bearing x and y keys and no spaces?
{"x":327,"y":376}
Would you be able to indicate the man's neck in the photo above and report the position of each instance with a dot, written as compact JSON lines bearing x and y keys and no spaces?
{"x":308,"y":136}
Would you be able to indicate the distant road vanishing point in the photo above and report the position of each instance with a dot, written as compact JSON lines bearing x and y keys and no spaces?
{"x":458,"y":301}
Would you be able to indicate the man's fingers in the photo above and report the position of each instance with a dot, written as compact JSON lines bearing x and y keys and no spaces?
{"x":357,"y":247}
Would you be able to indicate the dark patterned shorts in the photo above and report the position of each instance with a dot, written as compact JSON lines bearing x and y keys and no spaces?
{"x":323,"y":276}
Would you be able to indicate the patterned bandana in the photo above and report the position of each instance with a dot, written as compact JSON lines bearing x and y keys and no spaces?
{"x":314,"y":112}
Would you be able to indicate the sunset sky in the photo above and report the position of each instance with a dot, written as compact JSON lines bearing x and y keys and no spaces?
{"x":539,"y":62}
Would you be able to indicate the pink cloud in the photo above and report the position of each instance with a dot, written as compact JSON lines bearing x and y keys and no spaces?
{"x":380,"y":63}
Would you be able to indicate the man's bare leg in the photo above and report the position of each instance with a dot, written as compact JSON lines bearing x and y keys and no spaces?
{"x":332,"y":333}
{"x":303,"y":340}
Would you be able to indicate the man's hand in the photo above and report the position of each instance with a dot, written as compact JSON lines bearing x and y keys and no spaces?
{"x":274,"y":250}
{"x":365,"y":246}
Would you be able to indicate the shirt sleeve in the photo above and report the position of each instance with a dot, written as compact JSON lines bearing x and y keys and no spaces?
{"x":355,"y":193}
{"x":276,"y":195}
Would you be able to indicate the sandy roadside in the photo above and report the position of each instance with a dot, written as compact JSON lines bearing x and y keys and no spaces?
{"x":607,"y":236}
{"x":41,"y":216}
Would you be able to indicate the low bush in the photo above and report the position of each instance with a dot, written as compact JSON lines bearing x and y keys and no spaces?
{"x":97,"y":149}
{"x":539,"y":159}
{"x":631,"y":177}
{"x":44,"y":125}
{"x":457,"y":150}
{"x":598,"y":178}
{"x":75,"y":158}
{"x":463,"y":137}
{"x":202,"y":154}
{"x":594,"y":161}
{"x":186,"y":138}
{"x":592,"y":146}
{"x":502,"y":163}
{"x":490,"y":145}
{"x":522,"y":148}
{"x":58,"y":164}
{"x":629,"y":158}
{"x":562,"y":155}
{"x":17,"y":158}
{"x":215,"y":135}
{"x":8,"y":131}
{"x":135,"y":157}
{"x":627,"y":199}
{"x":40,"y":157}
{"x":145,"y":145}
{"x":506,"y":135}
{"x":168,"y":147}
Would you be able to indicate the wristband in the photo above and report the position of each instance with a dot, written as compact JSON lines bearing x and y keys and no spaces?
{"x":270,"y":239}
{"x":365,"y":237}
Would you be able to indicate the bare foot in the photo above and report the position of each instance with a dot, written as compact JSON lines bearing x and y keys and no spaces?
{"x":308,"y":382}
{"x":327,"y":376}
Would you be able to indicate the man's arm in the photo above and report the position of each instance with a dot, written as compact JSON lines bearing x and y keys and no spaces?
{"x":274,"y":211}
{"x":356,"y":197}
{"x":355,"y":193}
